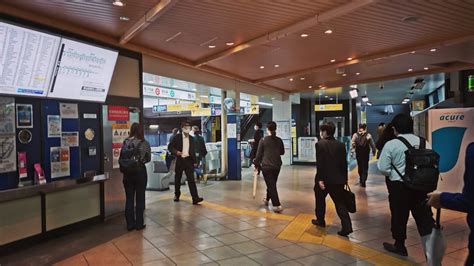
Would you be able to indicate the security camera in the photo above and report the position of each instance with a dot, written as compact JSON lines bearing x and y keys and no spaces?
{"x":381,"y":86}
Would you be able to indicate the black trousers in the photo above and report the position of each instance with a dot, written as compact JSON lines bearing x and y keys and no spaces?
{"x":403,"y":201}
{"x":135,"y":198}
{"x":363,"y":165}
{"x":271,"y":178}
{"x":187,"y":166}
{"x":470,"y":222}
{"x":336,"y":194}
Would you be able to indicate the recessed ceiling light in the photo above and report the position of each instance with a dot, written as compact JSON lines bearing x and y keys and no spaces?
{"x":125,"y":18}
{"x":212,"y":46}
{"x":410,"y":69}
{"x":229,"y":43}
{"x":304,"y":35}
{"x":328,"y":31}
{"x":333,"y":60}
{"x":302,"y":78}
{"x":331,"y":99}
{"x":357,"y":73}
{"x":412,"y":52}
{"x":118,"y":3}
{"x":291,"y":79}
{"x":262,"y":67}
{"x":276,"y":65}
{"x":433,"y":50}
{"x":349,"y":58}
{"x":310,"y":87}
{"x":322,"y":87}
{"x":426,"y":68}
{"x":344,"y":74}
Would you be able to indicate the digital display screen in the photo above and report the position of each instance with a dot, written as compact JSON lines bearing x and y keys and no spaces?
{"x":470,"y":83}
{"x":27,"y":60}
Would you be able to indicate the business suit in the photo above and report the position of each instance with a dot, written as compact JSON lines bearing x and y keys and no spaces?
{"x":184,"y":164}
{"x":332,"y":170}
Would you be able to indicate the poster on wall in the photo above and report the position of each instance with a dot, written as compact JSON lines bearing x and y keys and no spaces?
{"x":118,"y":113}
{"x":54,"y":126}
{"x":68,"y":111}
{"x":24,"y":116}
{"x":60,"y":162}
{"x":120,"y":133}
{"x":307,"y":149}
{"x":454,"y":125}
{"x":70,"y":139}
{"x":7,"y":115}
{"x":7,"y":153}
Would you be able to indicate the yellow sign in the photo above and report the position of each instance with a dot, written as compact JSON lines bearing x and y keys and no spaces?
{"x":254,"y":109}
{"x":182,"y":107}
{"x":201,"y":112}
{"x":253,"y":99}
{"x":328,"y":107}
{"x":418,"y":105}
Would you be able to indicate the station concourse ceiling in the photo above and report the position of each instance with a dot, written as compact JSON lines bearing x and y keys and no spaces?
{"x":288,"y":46}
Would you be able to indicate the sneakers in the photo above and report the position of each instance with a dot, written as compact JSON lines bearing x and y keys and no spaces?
{"x":397,"y":249}
{"x":265,"y":201}
{"x":344,"y":233}
{"x":318,"y":223}
{"x":197,"y":201}
{"x":278,"y":209}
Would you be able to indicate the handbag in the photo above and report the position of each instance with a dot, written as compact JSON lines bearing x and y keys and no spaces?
{"x":434,"y":244}
{"x":349,"y":199}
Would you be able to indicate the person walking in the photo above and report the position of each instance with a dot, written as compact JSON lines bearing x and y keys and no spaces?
{"x":268,"y":159}
{"x":199,"y":150}
{"x":135,"y":180}
{"x":402,"y":199}
{"x":463,"y":202}
{"x":362,"y":142}
{"x":380,"y":138}
{"x":182,"y":147}
{"x":331,"y":177}
{"x":257,"y":136}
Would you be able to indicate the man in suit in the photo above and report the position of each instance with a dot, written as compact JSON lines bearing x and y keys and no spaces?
{"x":257,"y":136}
{"x":182,"y":147}
{"x":331,"y":177}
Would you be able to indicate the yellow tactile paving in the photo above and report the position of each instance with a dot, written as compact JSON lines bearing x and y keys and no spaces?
{"x":294,"y":231}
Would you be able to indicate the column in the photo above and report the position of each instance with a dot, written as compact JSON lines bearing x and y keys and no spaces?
{"x":233,"y":138}
{"x":282,"y":117}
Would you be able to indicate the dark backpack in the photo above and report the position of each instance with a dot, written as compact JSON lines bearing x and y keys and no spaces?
{"x":362,"y":142}
{"x":421,"y":167}
{"x":129,"y":159}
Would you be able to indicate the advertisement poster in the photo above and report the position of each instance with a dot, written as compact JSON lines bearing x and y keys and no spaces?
{"x":70,"y":139}
{"x":120,"y":133}
{"x":7,"y":115}
{"x":7,"y":153}
{"x":60,"y":162}
{"x":24,"y":116}
{"x":22,"y":170}
{"x":54,"y":126}
{"x":307,"y":149}
{"x":118,"y":113}
{"x":451,"y":133}
{"x":68,"y":111}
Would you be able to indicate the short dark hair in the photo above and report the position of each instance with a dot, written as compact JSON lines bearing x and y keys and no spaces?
{"x":403,"y":123}
{"x":329,"y":128}
{"x":259,"y":125}
{"x":363,"y":126}
{"x":185,"y":123}
{"x":272,"y":126}
{"x":382,"y":124}
{"x":136,"y":131}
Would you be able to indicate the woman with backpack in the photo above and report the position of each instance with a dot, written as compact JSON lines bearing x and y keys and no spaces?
{"x":135,"y":153}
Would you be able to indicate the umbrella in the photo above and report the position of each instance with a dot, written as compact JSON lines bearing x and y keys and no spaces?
{"x":254,"y":182}
{"x":435,"y":243}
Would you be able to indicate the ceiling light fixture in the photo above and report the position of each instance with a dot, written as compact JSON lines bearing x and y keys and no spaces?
{"x":304,"y":35}
{"x":124,"y":18}
{"x":357,"y":73}
{"x":310,"y":87}
{"x":349,"y":58}
{"x":412,"y":52}
{"x":212,"y":46}
{"x":344,"y":74}
{"x":354,"y":94}
{"x":302,"y":78}
{"x":331,"y":99}
{"x":118,"y":3}
{"x":426,"y":68}
{"x":333,"y":60}
{"x":353,"y":86}
{"x":365,"y":99}
{"x":229,"y":43}
{"x":328,"y":31}
{"x":410,"y":69}
{"x":291,"y":79}
{"x":262,"y":67}
{"x":433,"y":50}
{"x":276,"y":65}
{"x":326,"y":96}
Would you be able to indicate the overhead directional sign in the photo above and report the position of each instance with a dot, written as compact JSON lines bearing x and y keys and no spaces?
{"x":182,"y":107}
{"x":328,"y":107}
{"x":159,"y":108}
{"x":201,"y":112}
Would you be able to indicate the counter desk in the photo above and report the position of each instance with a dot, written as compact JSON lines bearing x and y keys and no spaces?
{"x":35,"y":212}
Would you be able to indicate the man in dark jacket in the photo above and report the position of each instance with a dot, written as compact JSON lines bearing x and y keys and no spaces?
{"x":331,"y":177}
{"x":200,"y":150}
{"x":182,"y":146}
{"x":463,"y":202}
{"x":257,"y":136}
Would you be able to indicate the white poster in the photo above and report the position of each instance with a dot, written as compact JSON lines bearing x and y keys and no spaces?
{"x":70,"y":139}
{"x":283,"y":129}
{"x":451,"y":132}
{"x":232,"y":131}
{"x":68,"y":111}
{"x":7,"y":153}
{"x":54,"y":126}
{"x":120,"y":133}
{"x":60,"y":162}
{"x":307,"y":149}
{"x":7,"y":115}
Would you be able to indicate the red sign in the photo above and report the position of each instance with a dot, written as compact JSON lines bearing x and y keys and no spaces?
{"x":157,"y":91}
{"x":118,"y":113}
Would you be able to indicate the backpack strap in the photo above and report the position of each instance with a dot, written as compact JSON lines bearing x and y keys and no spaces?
{"x":422,"y":143}
{"x":404,"y":141}
{"x":396,"y":170}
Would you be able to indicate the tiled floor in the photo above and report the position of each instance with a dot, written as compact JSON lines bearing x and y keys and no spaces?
{"x":232,"y":228}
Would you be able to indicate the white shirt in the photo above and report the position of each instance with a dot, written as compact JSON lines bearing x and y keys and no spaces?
{"x":394,"y":153}
{"x":185,"y":146}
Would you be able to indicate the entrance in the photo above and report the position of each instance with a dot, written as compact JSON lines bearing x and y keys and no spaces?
{"x":338,"y":122}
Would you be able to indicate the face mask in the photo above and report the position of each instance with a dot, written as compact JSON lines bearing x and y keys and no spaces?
{"x":321,"y":135}
{"x":256,"y":128}
{"x":192,"y":133}
{"x":269,"y":133}
{"x":186,"y":130}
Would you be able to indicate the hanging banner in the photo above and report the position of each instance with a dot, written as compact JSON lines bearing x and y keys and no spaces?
{"x":120,"y":133}
{"x":7,"y":153}
{"x":451,"y":132}
{"x":118,"y":113}
{"x":60,"y":162}
{"x":201,"y":112}
{"x":328,"y":107}
{"x":22,"y":170}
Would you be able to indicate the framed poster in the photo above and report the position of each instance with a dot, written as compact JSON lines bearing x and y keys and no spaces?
{"x":7,"y":115}
{"x":24,"y":115}
{"x":7,"y":153}
{"x":54,"y":126}
{"x":68,"y":111}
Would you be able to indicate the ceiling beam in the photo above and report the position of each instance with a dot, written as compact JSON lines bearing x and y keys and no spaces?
{"x":288,"y":30}
{"x":371,"y":57}
{"x":145,"y":21}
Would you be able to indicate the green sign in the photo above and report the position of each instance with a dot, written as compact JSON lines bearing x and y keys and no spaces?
{"x":470,"y":83}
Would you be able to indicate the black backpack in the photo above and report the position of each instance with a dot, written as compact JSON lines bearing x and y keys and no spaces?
{"x":362,"y":142}
{"x":421,"y":167}
{"x":129,"y":159}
